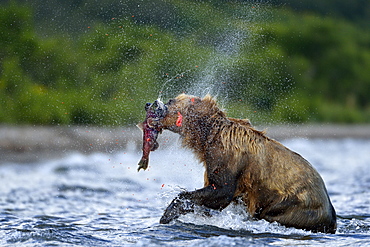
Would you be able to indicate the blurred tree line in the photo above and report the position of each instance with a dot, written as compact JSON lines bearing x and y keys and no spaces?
{"x":98,"y":62}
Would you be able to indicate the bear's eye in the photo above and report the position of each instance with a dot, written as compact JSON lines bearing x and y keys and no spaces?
{"x":170,"y":102}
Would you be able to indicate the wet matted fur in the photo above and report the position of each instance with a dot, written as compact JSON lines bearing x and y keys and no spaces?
{"x":275,"y":183}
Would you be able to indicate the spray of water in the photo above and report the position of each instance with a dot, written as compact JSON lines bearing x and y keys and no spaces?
{"x":214,"y":78}
{"x":172,"y":79}
{"x":216,"y":75}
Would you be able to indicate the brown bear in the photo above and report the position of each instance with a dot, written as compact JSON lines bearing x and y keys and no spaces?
{"x":273,"y":182}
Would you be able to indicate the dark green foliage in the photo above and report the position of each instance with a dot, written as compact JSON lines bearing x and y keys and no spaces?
{"x":97,"y":63}
{"x":357,"y":11}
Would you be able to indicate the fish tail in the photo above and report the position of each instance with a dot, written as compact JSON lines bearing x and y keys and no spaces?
{"x":143,"y":164}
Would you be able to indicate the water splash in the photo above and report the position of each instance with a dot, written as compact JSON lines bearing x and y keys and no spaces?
{"x":172,"y":79}
{"x":215,"y":78}
{"x":235,"y":217}
{"x":233,"y":43}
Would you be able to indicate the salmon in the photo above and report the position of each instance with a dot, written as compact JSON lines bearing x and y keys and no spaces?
{"x":150,"y":132}
{"x":150,"y":143}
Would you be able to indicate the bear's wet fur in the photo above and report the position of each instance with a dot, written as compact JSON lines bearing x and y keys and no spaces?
{"x":275,"y":183}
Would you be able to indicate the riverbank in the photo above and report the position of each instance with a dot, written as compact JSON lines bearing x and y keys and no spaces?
{"x":28,"y":144}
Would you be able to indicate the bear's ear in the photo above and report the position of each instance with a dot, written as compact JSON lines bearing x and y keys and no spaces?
{"x":209,"y":99}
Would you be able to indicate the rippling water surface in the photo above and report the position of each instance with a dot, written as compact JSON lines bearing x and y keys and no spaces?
{"x":101,"y":200}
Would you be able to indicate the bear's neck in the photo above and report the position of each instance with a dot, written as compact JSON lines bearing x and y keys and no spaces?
{"x":196,"y":130}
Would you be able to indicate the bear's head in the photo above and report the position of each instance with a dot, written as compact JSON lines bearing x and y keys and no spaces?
{"x":183,"y":108}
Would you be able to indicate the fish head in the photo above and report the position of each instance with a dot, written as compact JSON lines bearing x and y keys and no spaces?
{"x":159,"y":109}
{"x":155,"y":112}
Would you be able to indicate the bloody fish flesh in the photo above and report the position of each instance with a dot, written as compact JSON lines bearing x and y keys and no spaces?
{"x":150,"y":132}
{"x":149,"y":143}
{"x":154,"y":111}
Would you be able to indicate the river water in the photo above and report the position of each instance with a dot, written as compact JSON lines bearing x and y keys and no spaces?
{"x":100,"y":199}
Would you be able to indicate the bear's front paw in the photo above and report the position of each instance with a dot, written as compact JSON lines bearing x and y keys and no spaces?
{"x":175,"y":209}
